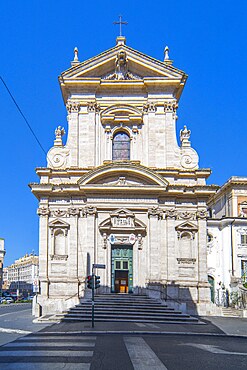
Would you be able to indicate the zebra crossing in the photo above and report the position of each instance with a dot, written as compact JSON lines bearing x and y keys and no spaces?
{"x":44,"y":351}
{"x":69,"y":352}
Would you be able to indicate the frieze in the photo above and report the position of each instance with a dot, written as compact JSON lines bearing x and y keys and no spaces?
{"x":186,"y":215}
{"x":73,"y":107}
{"x":123,"y":199}
{"x":43,"y":211}
{"x":202,"y":214}
{"x":59,"y":213}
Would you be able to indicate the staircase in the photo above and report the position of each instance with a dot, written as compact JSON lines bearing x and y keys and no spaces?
{"x":127,"y":308}
{"x":231,"y":312}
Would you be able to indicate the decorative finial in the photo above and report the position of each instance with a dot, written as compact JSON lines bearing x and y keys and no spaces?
{"x":184,"y":137}
{"x":167,"y":59}
{"x":166,"y":53}
{"x":59,"y":133}
{"x":76,"y":60}
{"x":76,"y":55}
{"x":120,"y":22}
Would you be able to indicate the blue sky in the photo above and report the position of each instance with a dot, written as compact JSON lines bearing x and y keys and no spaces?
{"x":207,"y":39}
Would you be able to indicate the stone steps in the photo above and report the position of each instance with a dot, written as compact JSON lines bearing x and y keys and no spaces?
{"x":231,"y":312}
{"x":127,"y":308}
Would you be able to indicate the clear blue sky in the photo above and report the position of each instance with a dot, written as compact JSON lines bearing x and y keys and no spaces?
{"x":207,"y":39}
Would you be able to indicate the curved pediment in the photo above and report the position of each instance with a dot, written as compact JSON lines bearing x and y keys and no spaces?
{"x":121,"y":112}
{"x":123,"y":174}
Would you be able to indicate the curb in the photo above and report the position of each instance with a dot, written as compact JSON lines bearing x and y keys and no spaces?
{"x":137,"y":332}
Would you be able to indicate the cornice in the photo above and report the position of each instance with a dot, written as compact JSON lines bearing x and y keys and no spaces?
{"x":230,"y":185}
{"x":227,"y":221}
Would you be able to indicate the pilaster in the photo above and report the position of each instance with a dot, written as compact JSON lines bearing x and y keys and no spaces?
{"x":155,"y":215}
{"x":73,"y":132}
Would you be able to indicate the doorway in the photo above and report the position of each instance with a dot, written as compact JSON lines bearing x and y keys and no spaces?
{"x":121,"y":281}
{"x":122,"y":269}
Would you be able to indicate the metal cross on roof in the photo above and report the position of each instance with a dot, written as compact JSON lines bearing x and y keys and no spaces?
{"x":120,"y":22}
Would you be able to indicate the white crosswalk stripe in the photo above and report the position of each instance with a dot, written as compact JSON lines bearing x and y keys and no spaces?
{"x":141,"y":355}
{"x":38,"y":352}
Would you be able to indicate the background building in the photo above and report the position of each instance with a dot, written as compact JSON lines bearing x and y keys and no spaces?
{"x":2,"y":254}
{"x":227,"y":241}
{"x":19,"y":276}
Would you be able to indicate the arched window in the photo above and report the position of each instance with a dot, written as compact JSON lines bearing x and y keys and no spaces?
{"x":121,"y":146}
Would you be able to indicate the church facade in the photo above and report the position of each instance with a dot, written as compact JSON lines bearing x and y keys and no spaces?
{"x":122,"y":191}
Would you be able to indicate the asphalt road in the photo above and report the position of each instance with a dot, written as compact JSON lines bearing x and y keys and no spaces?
{"x":16,"y":320}
{"x":24,"y":346}
{"x":124,"y":352}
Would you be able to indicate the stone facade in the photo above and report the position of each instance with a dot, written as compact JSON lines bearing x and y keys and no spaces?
{"x":2,"y":254}
{"x":227,"y":241}
{"x":121,"y":191}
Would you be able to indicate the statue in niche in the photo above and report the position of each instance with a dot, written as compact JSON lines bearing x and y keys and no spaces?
{"x":121,"y":66}
{"x":121,"y":69}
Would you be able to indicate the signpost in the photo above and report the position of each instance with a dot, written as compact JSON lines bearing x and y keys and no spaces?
{"x":35,"y":286}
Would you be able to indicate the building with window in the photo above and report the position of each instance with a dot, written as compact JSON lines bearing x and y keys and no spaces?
{"x":122,"y":191}
{"x":2,"y":254}
{"x":19,"y":276}
{"x":227,"y":238}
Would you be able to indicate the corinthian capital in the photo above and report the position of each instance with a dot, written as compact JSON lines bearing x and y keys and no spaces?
{"x":155,"y":212}
{"x":43,"y":211}
{"x":149,"y":107}
{"x":72,"y":106}
{"x":90,"y":210}
{"x":170,"y":106}
{"x":93,"y":107}
{"x":73,"y":211}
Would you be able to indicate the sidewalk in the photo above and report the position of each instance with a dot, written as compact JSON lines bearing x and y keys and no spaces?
{"x":207,"y":326}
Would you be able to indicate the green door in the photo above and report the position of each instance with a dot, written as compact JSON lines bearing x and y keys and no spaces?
{"x":211,"y":282}
{"x":122,"y":269}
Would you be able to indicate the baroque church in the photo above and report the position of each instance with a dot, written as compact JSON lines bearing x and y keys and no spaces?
{"x":122,"y":191}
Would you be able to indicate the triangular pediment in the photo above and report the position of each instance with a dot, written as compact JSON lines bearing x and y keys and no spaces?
{"x":59,"y":224}
{"x":187,"y":226}
{"x":103,"y":66}
{"x":123,"y":212}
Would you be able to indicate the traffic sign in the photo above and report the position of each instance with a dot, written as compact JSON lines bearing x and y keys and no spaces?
{"x":35,"y":288}
{"x":98,"y":266}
